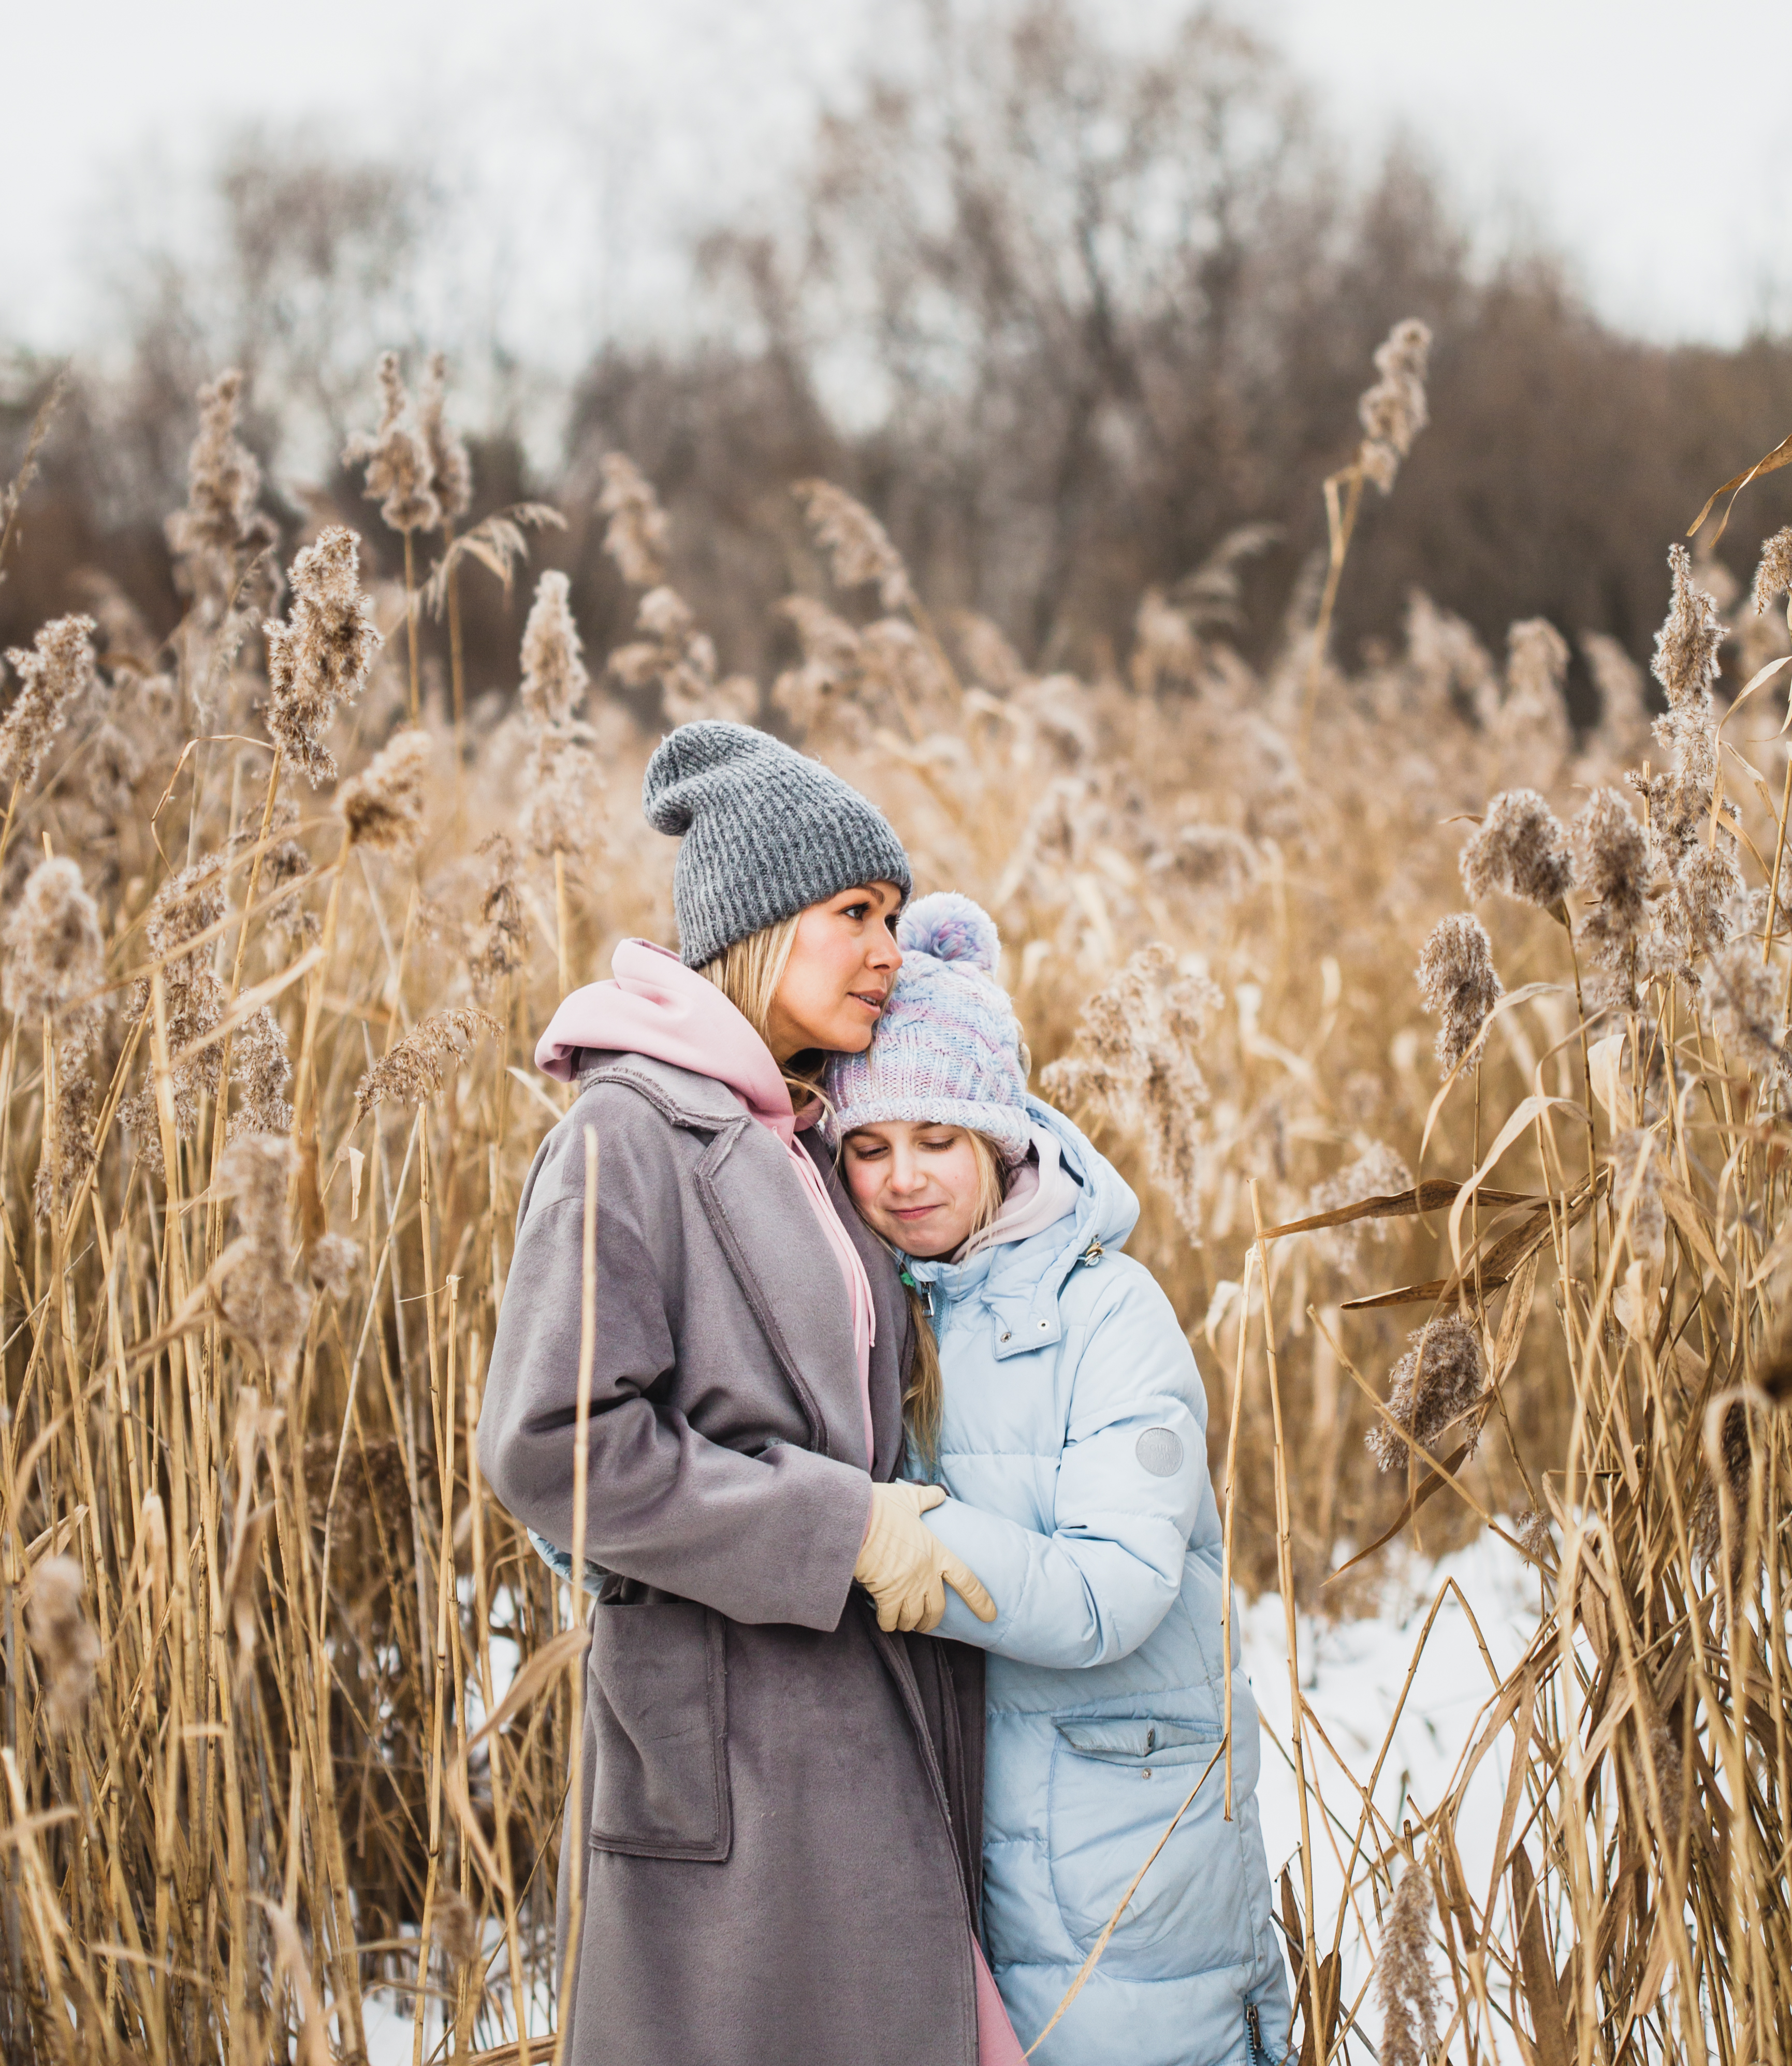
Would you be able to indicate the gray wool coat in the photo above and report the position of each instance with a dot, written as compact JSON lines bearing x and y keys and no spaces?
{"x":781,"y":1826}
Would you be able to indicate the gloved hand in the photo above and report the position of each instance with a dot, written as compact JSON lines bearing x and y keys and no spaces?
{"x":905,"y":1567}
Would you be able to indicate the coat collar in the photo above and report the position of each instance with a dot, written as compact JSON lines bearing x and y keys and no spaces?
{"x":788,"y":1274}
{"x":683,"y":1096}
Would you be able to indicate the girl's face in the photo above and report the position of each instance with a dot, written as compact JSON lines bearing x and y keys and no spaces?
{"x":842,"y":969}
{"x":921,"y":1187}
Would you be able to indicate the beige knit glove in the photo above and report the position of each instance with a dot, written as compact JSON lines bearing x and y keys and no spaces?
{"x":905,"y":1567}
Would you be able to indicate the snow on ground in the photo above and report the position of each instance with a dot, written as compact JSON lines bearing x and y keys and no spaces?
{"x":1352,"y":1674}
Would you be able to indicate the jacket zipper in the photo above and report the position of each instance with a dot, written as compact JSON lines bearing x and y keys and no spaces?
{"x":1254,"y":2031}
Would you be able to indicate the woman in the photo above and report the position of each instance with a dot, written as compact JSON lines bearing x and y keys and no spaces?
{"x":779,"y":1835}
{"x":1061,"y":1408}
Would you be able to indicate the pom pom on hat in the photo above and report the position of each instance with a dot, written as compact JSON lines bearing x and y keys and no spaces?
{"x":950,"y":928}
{"x":947,"y":1049}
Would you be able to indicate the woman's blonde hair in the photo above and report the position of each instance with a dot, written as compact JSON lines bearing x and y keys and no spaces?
{"x":924,"y":1398}
{"x":747,"y":974}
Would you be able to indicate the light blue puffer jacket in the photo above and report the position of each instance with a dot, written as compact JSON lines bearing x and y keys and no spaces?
{"x":1074,"y":1447}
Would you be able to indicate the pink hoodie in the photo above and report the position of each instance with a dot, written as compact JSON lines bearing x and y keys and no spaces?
{"x":656,"y":1005}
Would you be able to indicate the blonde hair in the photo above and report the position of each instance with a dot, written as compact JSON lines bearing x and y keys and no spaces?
{"x":748,"y":972}
{"x":924,"y":1397}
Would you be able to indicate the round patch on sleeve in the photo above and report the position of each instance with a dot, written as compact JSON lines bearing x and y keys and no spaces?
{"x":1160,"y":1451}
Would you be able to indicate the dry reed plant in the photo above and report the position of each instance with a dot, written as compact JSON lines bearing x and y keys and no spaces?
{"x":288,"y":1697}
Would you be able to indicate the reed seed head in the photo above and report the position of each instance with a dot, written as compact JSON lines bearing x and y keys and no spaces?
{"x":416,"y":1067}
{"x":53,"y":676}
{"x":186,"y":905}
{"x":1686,"y":647}
{"x":1725,"y":1484}
{"x":223,"y":481}
{"x":1377,"y":1172}
{"x":1708,"y":900}
{"x":54,"y":951}
{"x":383,"y":807}
{"x":261,"y":1068}
{"x":456,"y":1929}
{"x":332,"y":1262}
{"x":256,"y":1289}
{"x":451,"y":469}
{"x":1623,"y":707}
{"x":858,"y":548}
{"x":1392,"y":412}
{"x":561,"y":784}
{"x":319,"y":657}
{"x":503,"y":951}
{"x":1213,"y":861}
{"x":1744,"y":998}
{"x":67,"y":1647}
{"x":1611,"y":855}
{"x":832,"y":663}
{"x":1773,"y":578}
{"x":1536,"y":666}
{"x":637,"y":532}
{"x":1457,"y":981}
{"x":1132,"y":1060}
{"x":1403,"y":1975}
{"x":1435,"y":1383}
{"x":1521,"y":850}
{"x":554,"y":680}
{"x":1685,"y":664}
{"x":397,"y":457}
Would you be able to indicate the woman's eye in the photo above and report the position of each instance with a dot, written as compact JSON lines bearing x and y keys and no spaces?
{"x":856,"y":913}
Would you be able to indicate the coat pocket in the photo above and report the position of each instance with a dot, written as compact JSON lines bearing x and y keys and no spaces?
{"x":658,"y":1690}
{"x":1116,"y":1783}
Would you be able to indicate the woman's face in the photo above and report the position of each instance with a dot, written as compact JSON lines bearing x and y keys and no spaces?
{"x":842,"y":969}
{"x":919,"y":1186}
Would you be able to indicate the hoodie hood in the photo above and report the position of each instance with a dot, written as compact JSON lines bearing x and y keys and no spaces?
{"x":1019,"y":1281}
{"x":654,"y":1005}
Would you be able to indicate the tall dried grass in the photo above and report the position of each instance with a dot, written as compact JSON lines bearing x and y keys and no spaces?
{"x":288,"y":1699}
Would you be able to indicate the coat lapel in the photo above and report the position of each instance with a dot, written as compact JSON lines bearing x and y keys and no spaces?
{"x":890,"y":1352}
{"x":790,"y":1277}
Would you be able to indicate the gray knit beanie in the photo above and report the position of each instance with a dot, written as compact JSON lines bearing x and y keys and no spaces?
{"x":767,"y":832}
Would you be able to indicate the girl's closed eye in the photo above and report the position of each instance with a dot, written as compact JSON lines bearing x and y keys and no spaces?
{"x":926,"y":1188}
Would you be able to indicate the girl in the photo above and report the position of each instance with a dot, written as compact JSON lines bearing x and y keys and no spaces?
{"x":776,"y":1842}
{"x":1064,"y":1414}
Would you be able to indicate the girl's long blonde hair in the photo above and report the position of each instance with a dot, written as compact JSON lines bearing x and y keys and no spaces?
{"x":924,"y":1398}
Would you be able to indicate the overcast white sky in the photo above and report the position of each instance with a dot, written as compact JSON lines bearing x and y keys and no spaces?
{"x":1647,"y":140}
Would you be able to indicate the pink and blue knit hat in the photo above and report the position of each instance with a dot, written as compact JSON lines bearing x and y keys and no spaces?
{"x":946,"y":1052}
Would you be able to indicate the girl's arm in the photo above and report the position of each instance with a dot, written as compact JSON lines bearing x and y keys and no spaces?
{"x":770,"y":1538}
{"x":1130,"y":1485}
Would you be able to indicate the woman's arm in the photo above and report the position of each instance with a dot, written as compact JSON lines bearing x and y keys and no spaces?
{"x":766,"y":1537}
{"x":1130,"y":1485}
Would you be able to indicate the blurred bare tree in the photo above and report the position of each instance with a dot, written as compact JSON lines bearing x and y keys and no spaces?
{"x":1066,"y":314}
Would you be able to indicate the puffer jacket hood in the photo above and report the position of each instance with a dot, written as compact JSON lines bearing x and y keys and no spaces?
{"x":1073,"y":1446}
{"x":1019,"y":1281}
